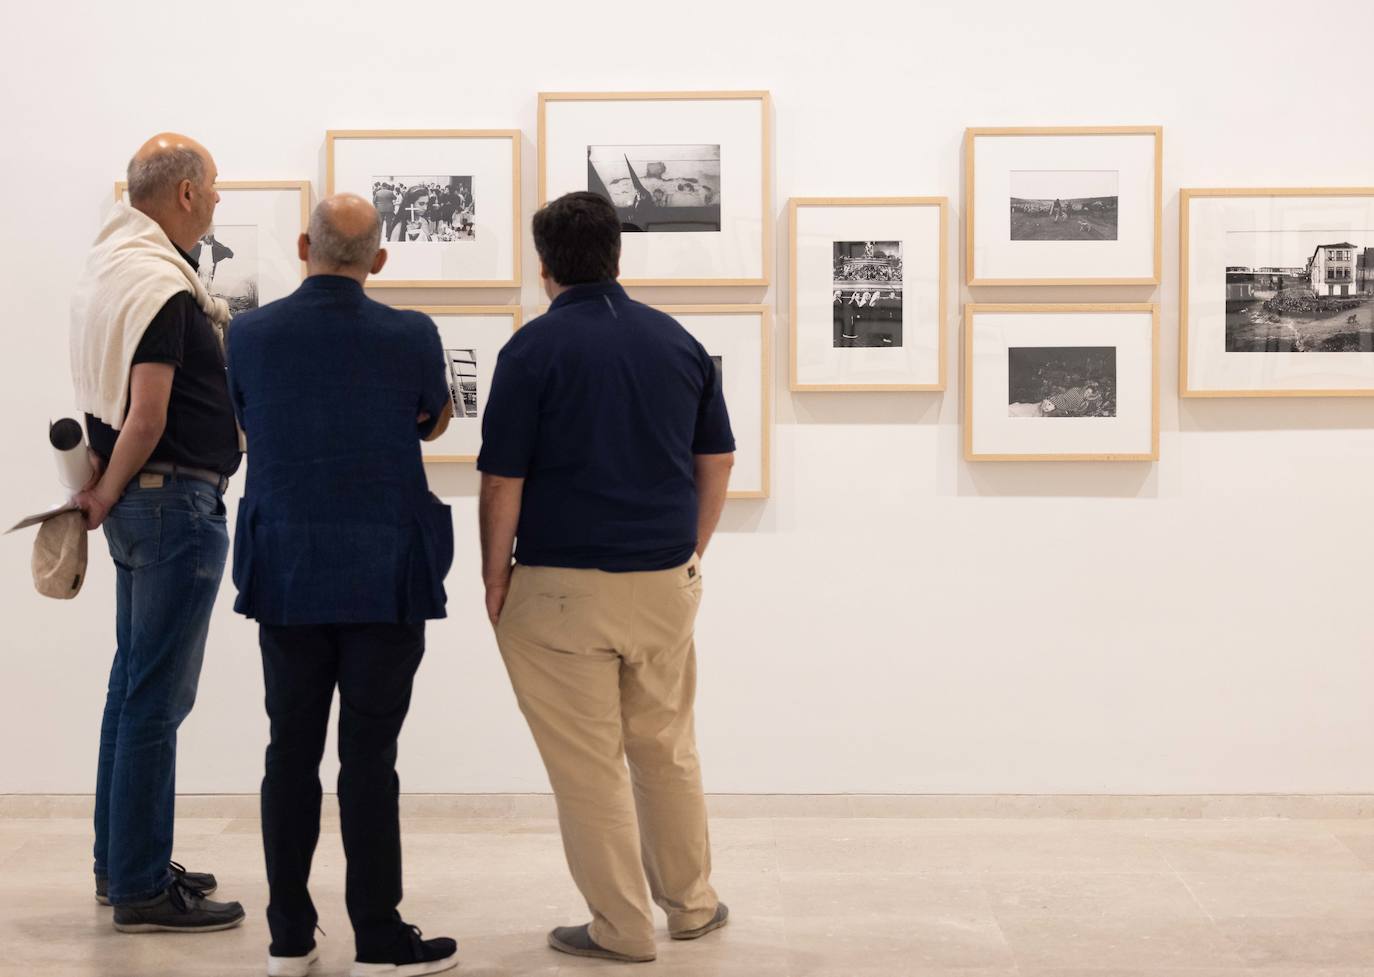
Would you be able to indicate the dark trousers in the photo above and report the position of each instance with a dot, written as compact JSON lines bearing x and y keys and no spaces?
{"x":373,"y":666}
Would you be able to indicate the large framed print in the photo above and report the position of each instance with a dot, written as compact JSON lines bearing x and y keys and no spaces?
{"x":249,"y":255}
{"x":1061,"y":382}
{"x":1277,"y":292}
{"x":736,"y":337}
{"x":449,"y":200}
{"x":688,"y":173}
{"x":868,"y":293}
{"x":472,"y":336}
{"x":1067,"y":205}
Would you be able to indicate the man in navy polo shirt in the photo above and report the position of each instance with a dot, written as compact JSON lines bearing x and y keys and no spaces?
{"x":606,"y":452}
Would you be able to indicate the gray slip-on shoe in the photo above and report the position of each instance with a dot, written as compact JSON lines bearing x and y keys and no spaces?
{"x":721,"y":917}
{"x":578,"y":941}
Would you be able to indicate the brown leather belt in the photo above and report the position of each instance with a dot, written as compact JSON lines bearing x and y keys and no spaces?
{"x":173,"y":470}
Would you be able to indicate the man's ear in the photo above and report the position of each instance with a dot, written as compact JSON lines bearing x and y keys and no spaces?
{"x":303,"y":247}
{"x":379,"y":262}
{"x":185,"y":194}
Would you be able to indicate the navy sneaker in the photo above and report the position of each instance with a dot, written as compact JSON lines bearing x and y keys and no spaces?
{"x":410,"y":956}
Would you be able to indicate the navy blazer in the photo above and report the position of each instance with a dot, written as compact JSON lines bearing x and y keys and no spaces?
{"x":337,"y":524}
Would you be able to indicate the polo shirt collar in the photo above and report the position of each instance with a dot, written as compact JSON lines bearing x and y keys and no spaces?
{"x":586,"y":291}
{"x":195,"y":265}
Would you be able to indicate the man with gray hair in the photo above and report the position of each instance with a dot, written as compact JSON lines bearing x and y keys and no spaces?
{"x":340,"y":554}
{"x":147,"y":359}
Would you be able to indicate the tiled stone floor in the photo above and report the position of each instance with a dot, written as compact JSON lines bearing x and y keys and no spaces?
{"x":810,"y":897}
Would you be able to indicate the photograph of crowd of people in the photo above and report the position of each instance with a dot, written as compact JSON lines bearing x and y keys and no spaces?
{"x":659,"y":188}
{"x":1064,"y":205}
{"x":867,"y":293}
{"x":226,"y":258}
{"x":1061,"y":381}
{"x":462,"y":381}
{"x":425,"y":208}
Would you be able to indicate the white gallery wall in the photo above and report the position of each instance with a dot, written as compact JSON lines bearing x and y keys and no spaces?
{"x":893,"y":619}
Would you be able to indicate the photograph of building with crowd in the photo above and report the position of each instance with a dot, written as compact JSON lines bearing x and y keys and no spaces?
{"x":1064,"y":205}
{"x":1316,"y":301}
{"x":425,"y":208}
{"x":867,"y":293}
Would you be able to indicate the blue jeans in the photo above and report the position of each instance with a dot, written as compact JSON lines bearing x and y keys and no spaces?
{"x":169,"y":545}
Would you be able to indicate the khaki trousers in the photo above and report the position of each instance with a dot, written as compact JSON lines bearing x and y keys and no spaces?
{"x":604,"y":669}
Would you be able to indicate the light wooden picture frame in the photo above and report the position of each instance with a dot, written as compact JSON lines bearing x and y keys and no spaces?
{"x":714,"y":325}
{"x":896,"y":302}
{"x":1063,"y":205}
{"x":479,"y":244}
{"x":1276,"y":292}
{"x":720,"y":141}
{"x":259,"y":220}
{"x":1125,"y":424}
{"x":479,"y":330}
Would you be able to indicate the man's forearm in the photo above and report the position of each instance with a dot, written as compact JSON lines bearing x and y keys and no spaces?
{"x":498,"y":514}
{"x":713,"y":482}
{"x":135,"y":444}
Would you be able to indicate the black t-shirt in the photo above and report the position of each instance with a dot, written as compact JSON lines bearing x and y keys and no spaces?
{"x":601,"y":405}
{"x":200,"y":432}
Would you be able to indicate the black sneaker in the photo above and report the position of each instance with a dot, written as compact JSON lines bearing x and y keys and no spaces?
{"x":201,"y":883}
{"x":178,"y":910}
{"x":410,"y":956}
{"x":577,"y":940}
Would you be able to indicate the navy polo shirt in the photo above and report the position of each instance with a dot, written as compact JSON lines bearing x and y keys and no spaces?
{"x":600,"y":405}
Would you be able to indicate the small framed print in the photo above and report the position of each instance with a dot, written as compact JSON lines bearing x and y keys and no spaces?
{"x":449,"y":200}
{"x":1069,"y":205}
{"x":1061,"y":382}
{"x":472,"y":335}
{"x":249,"y":257}
{"x":736,"y":337}
{"x":868,"y":293}
{"x":1277,"y":293}
{"x":688,"y":173}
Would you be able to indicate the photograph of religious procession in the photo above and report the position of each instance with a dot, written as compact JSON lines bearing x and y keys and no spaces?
{"x":425,"y":208}
{"x":1064,"y":205}
{"x":1061,"y":381}
{"x":462,"y":381}
{"x":226,"y":258}
{"x":867,"y":293}
{"x":1300,"y":291}
{"x":659,"y":188}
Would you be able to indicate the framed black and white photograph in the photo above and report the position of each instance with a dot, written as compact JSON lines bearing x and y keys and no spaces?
{"x":248,"y":257}
{"x":1061,"y":382}
{"x":1277,"y":298}
{"x":868,"y":293}
{"x":688,"y":172}
{"x":472,"y":336}
{"x":449,"y":201}
{"x":736,"y":338}
{"x":1071,"y":205}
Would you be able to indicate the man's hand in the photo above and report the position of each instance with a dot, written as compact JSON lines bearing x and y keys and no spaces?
{"x":496,"y":598}
{"x":94,"y":505}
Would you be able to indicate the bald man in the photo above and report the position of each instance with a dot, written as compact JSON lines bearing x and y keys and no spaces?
{"x":148,"y":367}
{"x":340,"y":554}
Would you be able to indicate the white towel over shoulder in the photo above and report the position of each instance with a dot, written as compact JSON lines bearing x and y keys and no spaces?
{"x":131,"y":272}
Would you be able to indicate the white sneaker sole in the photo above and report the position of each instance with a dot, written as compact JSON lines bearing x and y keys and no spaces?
{"x":291,"y":966}
{"x":403,"y":969}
